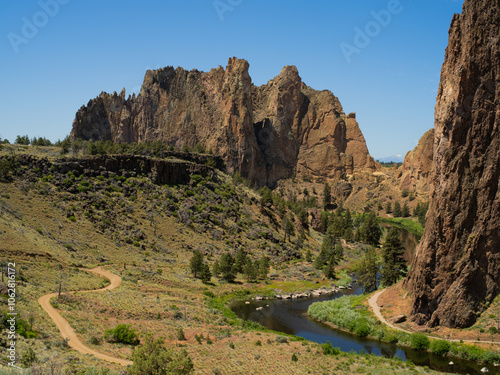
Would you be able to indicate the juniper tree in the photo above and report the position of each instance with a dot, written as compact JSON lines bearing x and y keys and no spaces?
{"x":393,"y":263}
{"x":397,"y":210}
{"x":327,"y":195}
{"x":367,"y":269}
{"x":370,"y":230}
{"x":263,"y":267}
{"x":196,"y":263}
{"x":226,"y":267}
{"x":205,"y":274}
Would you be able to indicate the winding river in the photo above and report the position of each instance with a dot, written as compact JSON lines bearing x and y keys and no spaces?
{"x":290,"y":316}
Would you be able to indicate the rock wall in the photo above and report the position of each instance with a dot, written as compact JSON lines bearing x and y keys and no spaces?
{"x":266,"y":133}
{"x":416,"y":171}
{"x":456,"y":270}
{"x":159,"y":171}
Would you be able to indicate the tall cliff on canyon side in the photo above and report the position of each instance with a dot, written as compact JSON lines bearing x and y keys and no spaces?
{"x":266,"y":133}
{"x":416,"y":171}
{"x":456,"y":270}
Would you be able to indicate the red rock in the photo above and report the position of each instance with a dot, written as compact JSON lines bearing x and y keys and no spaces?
{"x":456,"y":271}
{"x":266,"y":133}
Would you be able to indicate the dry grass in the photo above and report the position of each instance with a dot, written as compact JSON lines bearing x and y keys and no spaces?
{"x":47,"y":247}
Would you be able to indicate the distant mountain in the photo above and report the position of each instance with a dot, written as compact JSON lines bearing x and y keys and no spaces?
{"x":393,"y":158}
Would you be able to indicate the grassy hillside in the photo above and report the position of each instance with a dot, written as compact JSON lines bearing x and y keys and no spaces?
{"x":54,"y":223}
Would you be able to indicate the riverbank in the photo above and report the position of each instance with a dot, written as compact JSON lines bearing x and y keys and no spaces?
{"x":404,"y":223}
{"x":349,"y":314}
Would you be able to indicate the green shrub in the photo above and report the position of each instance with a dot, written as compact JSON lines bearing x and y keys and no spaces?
{"x":294,"y":357}
{"x":440,"y":347}
{"x":29,"y":357}
{"x":154,"y":358}
{"x":122,"y":333}
{"x":362,"y":329}
{"x":180,"y":335}
{"x":281,"y":339}
{"x":328,"y":349}
{"x":72,"y":219}
{"x":419,"y":341}
{"x":209,"y":293}
{"x":391,"y":338}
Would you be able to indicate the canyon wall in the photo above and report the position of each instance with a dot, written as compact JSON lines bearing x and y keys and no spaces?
{"x":456,"y":270}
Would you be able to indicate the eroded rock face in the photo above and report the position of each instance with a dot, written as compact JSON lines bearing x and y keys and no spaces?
{"x":456,"y":271}
{"x":415,"y":173}
{"x":266,"y":133}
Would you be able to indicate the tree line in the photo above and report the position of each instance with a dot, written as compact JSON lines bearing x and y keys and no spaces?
{"x":227,"y":267}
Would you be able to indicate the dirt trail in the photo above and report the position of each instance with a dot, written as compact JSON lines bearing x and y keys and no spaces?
{"x":372,"y":301}
{"x":65,"y":328}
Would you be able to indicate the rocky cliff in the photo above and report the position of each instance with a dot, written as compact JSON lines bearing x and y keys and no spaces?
{"x":266,"y":133}
{"x":456,"y":271}
{"x":416,"y":171}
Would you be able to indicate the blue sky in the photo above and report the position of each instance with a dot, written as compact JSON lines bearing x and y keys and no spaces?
{"x":55,"y":55}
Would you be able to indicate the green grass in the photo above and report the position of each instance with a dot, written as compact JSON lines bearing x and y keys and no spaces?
{"x":404,"y":223}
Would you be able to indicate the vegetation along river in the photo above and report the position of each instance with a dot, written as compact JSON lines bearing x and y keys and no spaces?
{"x":290,"y":317}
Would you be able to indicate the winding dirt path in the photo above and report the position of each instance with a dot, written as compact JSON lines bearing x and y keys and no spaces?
{"x":372,"y":301}
{"x":65,"y":328}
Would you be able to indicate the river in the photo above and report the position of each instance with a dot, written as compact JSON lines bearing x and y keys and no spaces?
{"x":290,"y":316}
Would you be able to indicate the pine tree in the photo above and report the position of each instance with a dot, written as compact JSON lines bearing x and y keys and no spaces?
{"x":240,"y":260}
{"x":397,"y":210}
{"x":339,"y":251}
{"x":405,"y":212}
{"x":366,"y":271}
{"x":263,"y":267}
{"x":348,"y":235}
{"x":327,"y":248}
{"x":288,"y":227}
{"x":324,"y":221}
{"x":266,"y":196}
{"x":216,"y":269}
{"x":226,"y":267}
{"x":330,"y":268}
{"x":327,"y":195}
{"x":250,"y":270}
{"x":196,"y":263}
{"x":370,"y":230}
{"x":393,"y":264}
{"x":347,"y":219}
{"x":388,"y":208}
{"x":205,"y":274}
{"x":336,"y":227}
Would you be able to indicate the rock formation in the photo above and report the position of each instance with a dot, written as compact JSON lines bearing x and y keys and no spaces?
{"x":456,"y":270}
{"x":265,"y":133}
{"x":415,"y":173}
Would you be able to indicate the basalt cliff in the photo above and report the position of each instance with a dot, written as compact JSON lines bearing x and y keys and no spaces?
{"x":265,"y":133}
{"x":416,"y":171}
{"x":456,"y":270}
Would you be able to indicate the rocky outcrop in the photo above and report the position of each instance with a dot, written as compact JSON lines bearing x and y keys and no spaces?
{"x":265,"y":133}
{"x":415,"y":173}
{"x":456,"y":270}
{"x":172,"y":171}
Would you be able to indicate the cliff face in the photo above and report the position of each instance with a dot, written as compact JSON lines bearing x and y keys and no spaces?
{"x":415,"y":173}
{"x":266,"y":133}
{"x":456,"y":271}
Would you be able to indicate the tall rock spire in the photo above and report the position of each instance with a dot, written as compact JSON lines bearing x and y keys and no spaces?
{"x":456,"y":270}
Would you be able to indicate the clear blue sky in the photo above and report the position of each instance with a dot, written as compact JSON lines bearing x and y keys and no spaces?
{"x":52,"y":64}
